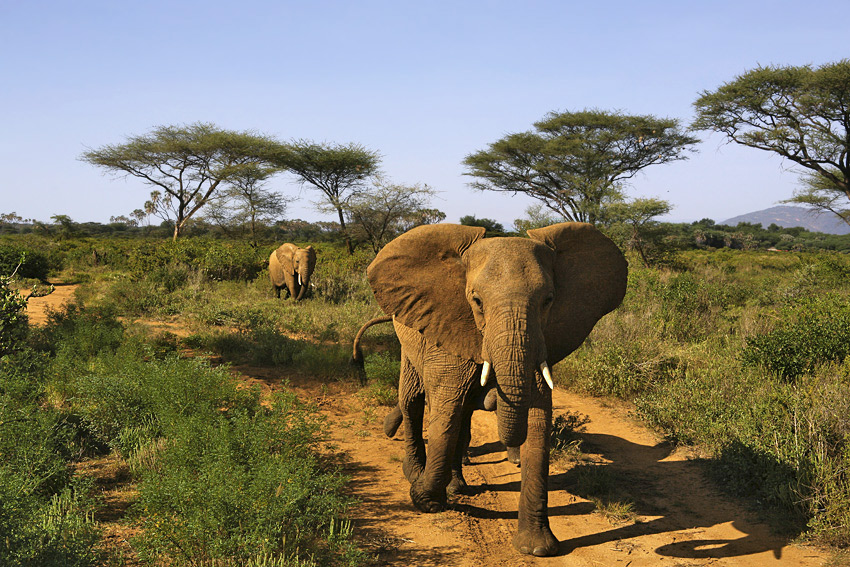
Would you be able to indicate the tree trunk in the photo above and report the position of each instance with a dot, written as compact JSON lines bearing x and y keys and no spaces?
{"x":345,"y":232}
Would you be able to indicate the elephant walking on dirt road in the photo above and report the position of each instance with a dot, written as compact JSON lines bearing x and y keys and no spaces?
{"x":290,"y":268}
{"x":469,"y":309}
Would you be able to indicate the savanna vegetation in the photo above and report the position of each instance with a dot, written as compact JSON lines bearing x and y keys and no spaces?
{"x":732,"y":340}
{"x":742,"y":354}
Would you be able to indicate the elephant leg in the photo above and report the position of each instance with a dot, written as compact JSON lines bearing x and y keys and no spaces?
{"x":276,"y":290}
{"x":411,"y":403}
{"x":448,"y":381}
{"x":534,"y":537}
{"x":457,"y":485}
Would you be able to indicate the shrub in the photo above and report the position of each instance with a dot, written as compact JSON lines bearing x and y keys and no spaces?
{"x":129,"y":399}
{"x":242,"y":484}
{"x":33,"y":263}
{"x":809,"y":333}
{"x":13,"y":318}
{"x":45,"y":516}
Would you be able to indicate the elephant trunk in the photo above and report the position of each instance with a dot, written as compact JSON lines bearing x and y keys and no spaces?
{"x":514,"y":360}
{"x":305,"y":270}
{"x":303,"y":283}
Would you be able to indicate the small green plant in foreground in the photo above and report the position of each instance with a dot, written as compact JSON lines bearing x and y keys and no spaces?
{"x":564,"y":438}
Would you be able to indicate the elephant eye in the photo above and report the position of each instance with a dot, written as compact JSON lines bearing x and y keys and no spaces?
{"x":548,"y":301}
{"x":477,"y":301}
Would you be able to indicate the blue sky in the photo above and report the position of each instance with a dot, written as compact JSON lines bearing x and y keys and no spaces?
{"x":422,"y":83}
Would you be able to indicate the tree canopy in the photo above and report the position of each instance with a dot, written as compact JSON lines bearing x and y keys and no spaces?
{"x":389,"y":209}
{"x":577,"y":162}
{"x":187,"y":163}
{"x":800,"y":113}
{"x":245,"y":206}
{"x":337,"y":170}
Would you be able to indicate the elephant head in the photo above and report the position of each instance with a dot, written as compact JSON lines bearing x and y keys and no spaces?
{"x":292,"y":266}
{"x":516,"y":305}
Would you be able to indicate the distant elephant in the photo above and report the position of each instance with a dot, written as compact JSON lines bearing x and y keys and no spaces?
{"x":465,"y":307}
{"x":290,"y":268}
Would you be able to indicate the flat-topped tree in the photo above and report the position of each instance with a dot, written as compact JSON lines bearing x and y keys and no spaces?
{"x":800,"y":113}
{"x":337,"y":170}
{"x":576,"y":163}
{"x":188,"y":163}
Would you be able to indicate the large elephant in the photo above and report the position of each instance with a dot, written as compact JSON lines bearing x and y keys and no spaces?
{"x":290,"y":267}
{"x":467,"y":308}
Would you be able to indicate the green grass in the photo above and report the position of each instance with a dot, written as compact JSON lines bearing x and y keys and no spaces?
{"x":222,"y":479}
{"x":743,"y":354}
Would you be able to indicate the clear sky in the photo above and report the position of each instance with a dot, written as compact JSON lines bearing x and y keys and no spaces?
{"x":424,"y":83}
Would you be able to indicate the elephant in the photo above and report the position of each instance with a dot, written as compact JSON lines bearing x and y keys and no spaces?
{"x":290,"y":267}
{"x":468,"y":309}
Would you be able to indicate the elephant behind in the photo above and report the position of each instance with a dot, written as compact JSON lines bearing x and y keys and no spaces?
{"x":290,"y":268}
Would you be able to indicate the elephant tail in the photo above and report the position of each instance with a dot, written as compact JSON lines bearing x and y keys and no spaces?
{"x":357,"y":352}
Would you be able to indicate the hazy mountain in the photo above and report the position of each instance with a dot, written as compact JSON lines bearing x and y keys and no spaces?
{"x":788,"y":216}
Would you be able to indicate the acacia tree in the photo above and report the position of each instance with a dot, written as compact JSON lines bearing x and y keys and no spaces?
{"x":245,"y":204}
{"x":187,"y":164}
{"x":800,"y":113}
{"x":338,"y":171}
{"x":576,"y":163}
{"x":633,"y":223}
{"x":389,"y":209}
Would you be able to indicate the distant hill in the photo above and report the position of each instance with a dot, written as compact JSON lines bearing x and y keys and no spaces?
{"x":788,"y":217}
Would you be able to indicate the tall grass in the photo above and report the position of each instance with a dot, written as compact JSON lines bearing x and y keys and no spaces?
{"x":222,"y":478}
{"x":745,"y":355}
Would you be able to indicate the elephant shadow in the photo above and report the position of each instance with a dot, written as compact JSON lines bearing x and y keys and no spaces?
{"x":655,"y":487}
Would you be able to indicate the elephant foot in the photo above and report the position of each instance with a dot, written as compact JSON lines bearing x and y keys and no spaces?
{"x":513,"y":455}
{"x":539,"y":542}
{"x":457,"y":485}
{"x":427,"y":502}
{"x":392,"y":421}
{"x":412,"y":469}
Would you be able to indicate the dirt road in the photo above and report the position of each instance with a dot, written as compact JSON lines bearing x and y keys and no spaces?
{"x":680,"y":519}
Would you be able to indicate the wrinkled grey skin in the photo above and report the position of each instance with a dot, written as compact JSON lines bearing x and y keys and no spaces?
{"x":458,"y":300}
{"x":290,"y":268}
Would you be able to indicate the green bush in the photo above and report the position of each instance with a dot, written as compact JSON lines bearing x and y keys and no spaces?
{"x":45,"y":514}
{"x":241,"y":484}
{"x":215,"y":259}
{"x":809,"y":333}
{"x":13,"y":318}
{"x":129,"y":399}
{"x":29,"y":263}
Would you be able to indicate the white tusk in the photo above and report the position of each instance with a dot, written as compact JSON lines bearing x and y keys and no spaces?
{"x":544,"y":368}
{"x":485,"y":371}
{"x":299,"y":280}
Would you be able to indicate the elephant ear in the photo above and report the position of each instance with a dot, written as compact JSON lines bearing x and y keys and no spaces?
{"x":420,"y":279}
{"x":311,"y":258}
{"x":590,"y":280}
{"x":284,"y":255}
